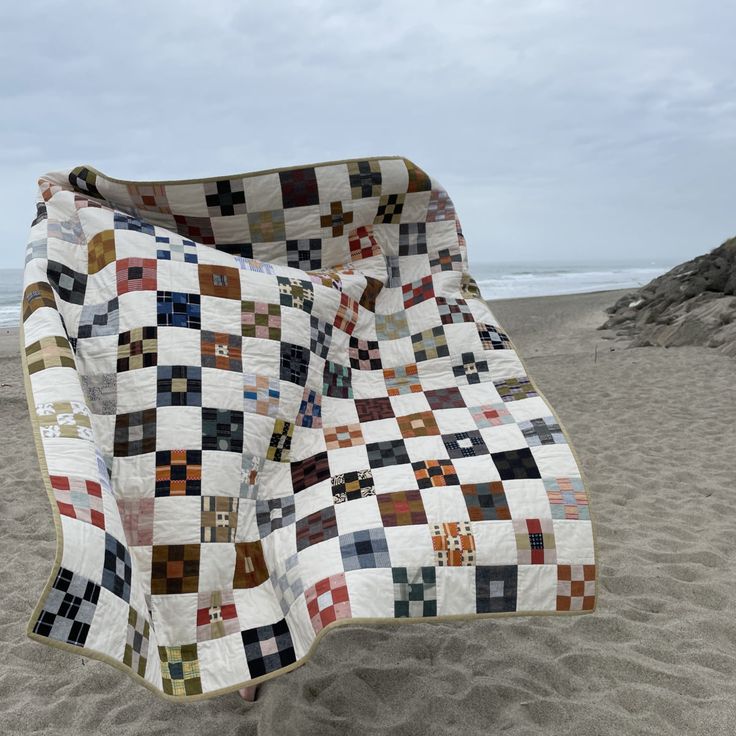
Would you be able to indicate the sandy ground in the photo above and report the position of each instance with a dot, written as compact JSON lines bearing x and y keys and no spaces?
{"x":655,"y":432}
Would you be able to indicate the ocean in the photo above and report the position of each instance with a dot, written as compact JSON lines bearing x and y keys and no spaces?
{"x":496,"y":280}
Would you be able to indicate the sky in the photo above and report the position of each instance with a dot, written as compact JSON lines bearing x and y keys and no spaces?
{"x":564,"y":130}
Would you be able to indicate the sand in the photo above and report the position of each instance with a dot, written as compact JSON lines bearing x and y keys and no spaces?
{"x":654,"y":429}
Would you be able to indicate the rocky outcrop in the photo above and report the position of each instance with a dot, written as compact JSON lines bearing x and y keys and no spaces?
{"x":693,"y":304}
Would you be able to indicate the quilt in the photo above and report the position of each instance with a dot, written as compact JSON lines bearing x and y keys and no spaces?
{"x":273,"y":403}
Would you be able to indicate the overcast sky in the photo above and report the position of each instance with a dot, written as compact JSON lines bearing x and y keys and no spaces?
{"x":563,"y":129}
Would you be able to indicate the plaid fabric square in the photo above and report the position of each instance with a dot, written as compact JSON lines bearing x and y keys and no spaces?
{"x":259,"y":319}
{"x":440,"y":207}
{"x":316,"y":527}
{"x":36,"y":296}
{"x":352,"y":485}
{"x":491,"y":415}
{"x":220,"y":281}
{"x":364,"y":355}
{"x":310,"y":471}
{"x":195,"y":228}
{"x":401,"y":508}
{"x":279,"y":446}
{"x":327,"y":601}
{"x":495,"y":588}
{"x":68,"y":609}
{"x":362,"y":243}
{"x":84,"y":180}
{"x":346,"y":435}
{"x":390,"y":207}
{"x":402,"y":380}
{"x":49,"y":352}
{"x":391,"y":326}
{"x":174,"y":569}
{"x":430,"y":344}
{"x":491,"y":337}
{"x":310,"y":410}
{"x":149,"y":197}
{"x":515,"y":389}
{"x":435,"y":473}
{"x":470,"y":370}
{"x":223,"y":351}
{"x":365,"y":179}
{"x":176,"y":309}
{"x":135,"y":274}
{"x":250,"y":565}
{"x":179,"y":385}
{"x":393,"y":272}
{"x":445,"y":398}
{"x":268,"y":648}
{"x":370,"y":410}
{"x":453,"y":543}
{"x":219,"y":519}
{"x":453,"y":311}
{"x":294,"y":363}
{"x":64,"y":419}
{"x":415,"y":591}
{"x":542,"y":431}
{"x":274,"y":513}
{"x":486,"y":501}
{"x":387,"y":452}
{"x":117,"y":570}
{"x":100,"y":251}
{"x":415,"y":292}
{"x":320,"y":336}
{"x":299,"y":187}
{"x":412,"y":239}
{"x":337,"y":381}
{"x":575,"y":587}
{"x":267,"y":226}
{"x":261,"y":395}
{"x":305,"y":254}
{"x":70,"y":285}
{"x":465,"y":444}
{"x":421,"y":424}
{"x":98,"y":320}
{"x":134,"y":224}
{"x":178,"y":472}
{"x":347,"y":314}
{"x":135,"y":433}
{"x":136,"y":515}
{"x":446,"y":260}
{"x":364,"y":549}
{"x":180,"y":674}
{"x":222,"y":429}
{"x":250,"y":469}
{"x":567,"y":498}
{"x":296,"y":293}
{"x":535,"y":541}
{"x":287,"y":583}
{"x":217,"y":615}
{"x":515,"y":464}
{"x":334,"y":219}
{"x":79,"y":498}
{"x":225,"y":197}
{"x":137,"y":640}
{"x":137,"y":348}
{"x":183,"y":252}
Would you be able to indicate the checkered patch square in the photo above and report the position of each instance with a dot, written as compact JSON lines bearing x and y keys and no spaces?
{"x":419,"y":180}
{"x":179,"y":385}
{"x":294,"y":365}
{"x":575,"y":587}
{"x":137,"y":348}
{"x":353,"y":485}
{"x":486,"y":501}
{"x":137,"y":639}
{"x":149,"y":197}
{"x":250,"y":565}
{"x":347,"y":314}
{"x":401,"y":508}
{"x":262,"y":320}
{"x":440,"y":206}
{"x":196,"y":228}
{"x":79,"y":498}
{"x":268,"y":648}
{"x":364,"y":549}
{"x":305,"y":254}
{"x":274,"y":513}
{"x":64,"y":419}
{"x":337,"y":381}
{"x":515,"y":464}
{"x":385,"y":453}
{"x":415,"y":591}
{"x":178,"y":472}
{"x":430,"y":344}
{"x":117,"y":570}
{"x":296,"y":293}
{"x":223,"y":351}
{"x":98,"y":320}
{"x":535,"y":541}
{"x":225,"y":197}
{"x":49,"y":352}
{"x":316,"y":527}
{"x":390,"y":207}
{"x":421,"y":424}
{"x":222,"y":429}
{"x":299,"y":187}
{"x":334,"y":219}
{"x":36,"y":296}
{"x":182,"y":252}
{"x":393,"y":272}
{"x":362,"y":243}
{"x":100,"y":251}
{"x":327,"y":601}
{"x":70,"y":285}
{"x":174,"y":569}
{"x":176,"y":309}
{"x":465,"y":444}
{"x":435,"y":473}
{"x":495,"y":588}
{"x":320,"y":336}
{"x":310,"y":471}
{"x":267,"y":227}
{"x":471,"y":370}
{"x":134,"y":224}
{"x":364,"y":355}
{"x":391,"y":326}
{"x":135,"y":274}
{"x":402,"y":380}
{"x":135,"y":433}
{"x":136,"y":515}
{"x":453,"y":543}
{"x":287,"y":583}
{"x":310,"y":410}
{"x":261,"y":395}
{"x":250,"y":468}
{"x":370,"y":410}
{"x":492,"y":415}
{"x":446,"y":260}
{"x":217,"y":615}
{"x":567,"y":498}
{"x":515,"y":389}
{"x":445,"y":398}
{"x":279,"y":446}
{"x":412,"y":239}
{"x":68,"y":609}
{"x":180,"y":673}
{"x":219,"y":281}
{"x":365,"y":179}
{"x":453,"y":311}
{"x":219,"y":519}
{"x":491,"y":337}
{"x":416,"y":292}
{"x":346,"y":435}
{"x":542,"y":431}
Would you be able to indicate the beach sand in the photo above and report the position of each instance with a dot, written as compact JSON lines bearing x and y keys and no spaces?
{"x":654,"y":430}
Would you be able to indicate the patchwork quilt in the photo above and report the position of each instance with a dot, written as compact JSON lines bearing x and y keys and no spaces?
{"x":273,"y":403}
